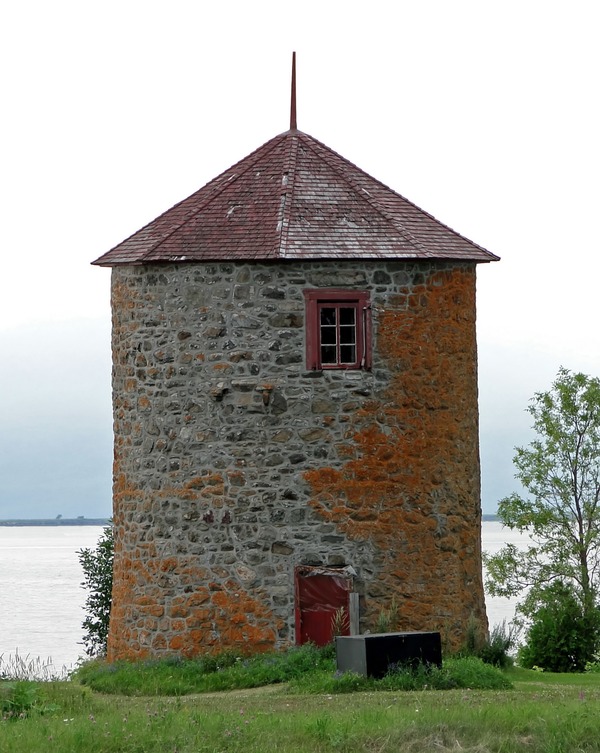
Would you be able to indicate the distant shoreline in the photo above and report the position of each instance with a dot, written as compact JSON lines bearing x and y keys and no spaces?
{"x":55,"y":522}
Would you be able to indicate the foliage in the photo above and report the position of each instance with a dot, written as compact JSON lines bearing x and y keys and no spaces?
{"x":20,"y":698}
{"x":497,"y":648}
{"x":494,"y":649}
{"x":561,"y":638}
{"x":97,"y":567}
{"x":16,"y":698}
{"x":560,"y":470}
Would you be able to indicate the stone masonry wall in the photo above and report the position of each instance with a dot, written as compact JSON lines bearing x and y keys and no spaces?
{"x":233,"y":464}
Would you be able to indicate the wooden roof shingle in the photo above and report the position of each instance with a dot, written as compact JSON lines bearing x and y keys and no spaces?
{"x":293,"y":198}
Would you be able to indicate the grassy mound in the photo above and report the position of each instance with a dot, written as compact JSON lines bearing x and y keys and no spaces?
{"x":307,"y":669}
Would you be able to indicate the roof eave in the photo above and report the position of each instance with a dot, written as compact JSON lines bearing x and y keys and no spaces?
{"x":181,"y":259}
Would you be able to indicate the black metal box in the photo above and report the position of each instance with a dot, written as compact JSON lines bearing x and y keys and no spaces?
{"x":373,"y":654}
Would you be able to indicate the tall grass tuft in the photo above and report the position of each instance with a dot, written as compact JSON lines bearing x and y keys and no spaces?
{"x":340,"y":622}
{"x":17,"y":667}
{"x":494,"y":649}
{"x":387,"y":619}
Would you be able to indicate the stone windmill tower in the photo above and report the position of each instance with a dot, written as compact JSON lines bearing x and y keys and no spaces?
{"x":295,"y":412}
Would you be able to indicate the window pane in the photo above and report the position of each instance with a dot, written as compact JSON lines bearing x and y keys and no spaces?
{"x":328,"y":335}
{"x":347,"y":354}
{"x":328,"y":354}
{"x":327,"y":316}
{"x":347,"y":315}
{"x":348,"y":335}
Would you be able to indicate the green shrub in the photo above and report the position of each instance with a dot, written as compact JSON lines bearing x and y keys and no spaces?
{"x":17,"y":699}
{"x":97,"y":567}
{"x":561,"y":638}
{"x":494,"y":649}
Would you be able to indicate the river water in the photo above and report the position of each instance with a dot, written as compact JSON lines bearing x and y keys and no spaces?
{"x":41,"y":598}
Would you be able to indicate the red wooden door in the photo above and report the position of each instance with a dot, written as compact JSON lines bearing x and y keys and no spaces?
{"x":319,"y":597}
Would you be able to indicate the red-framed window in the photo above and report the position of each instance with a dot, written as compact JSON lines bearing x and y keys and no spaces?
{"x":338,"y":329}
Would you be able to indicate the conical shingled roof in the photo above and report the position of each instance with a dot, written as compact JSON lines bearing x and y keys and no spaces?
{"x":293,"y":198}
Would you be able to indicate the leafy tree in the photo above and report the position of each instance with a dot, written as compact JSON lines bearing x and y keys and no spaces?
{"x":560,"y":470}
{"x":97,"y":567}
{"x":560,"y":638}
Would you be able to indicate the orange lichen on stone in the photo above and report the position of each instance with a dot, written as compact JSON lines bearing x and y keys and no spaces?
{"x":210,"y":485}
{"x":123,"y":491}
{"x":210,"y":498}
{"x":199,"y":482}
{"x":414,"y":453}
{"x":206,"y":618}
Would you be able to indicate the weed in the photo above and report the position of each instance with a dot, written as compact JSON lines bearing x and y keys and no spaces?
{"x":340,"y":622}
{"x":494,"y":649}
{"x":16,"y":699}
{"x":387,"y":619}
{"x":17,"y":667}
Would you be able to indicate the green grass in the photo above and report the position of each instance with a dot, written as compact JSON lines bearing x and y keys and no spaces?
{"x":468,"y":672}
{"x":306,"y":708}
{"x":307,"y":670}
{"x":545,"y":718}
{"x":534,"y":677}
{"x":208,"y":674}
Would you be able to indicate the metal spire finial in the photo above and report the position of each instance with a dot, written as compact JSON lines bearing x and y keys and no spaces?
{"x":293,"y":123}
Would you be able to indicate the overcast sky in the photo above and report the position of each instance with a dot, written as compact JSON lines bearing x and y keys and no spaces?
{"x":485,"y":114}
